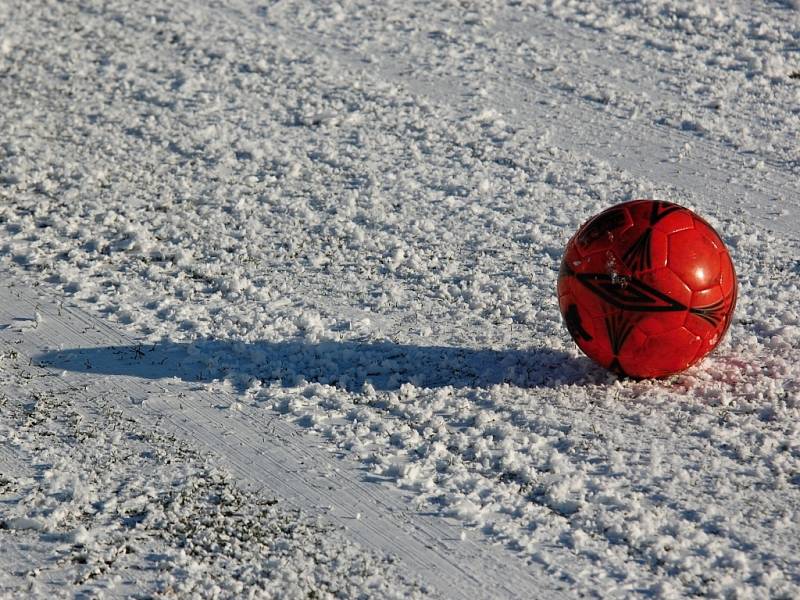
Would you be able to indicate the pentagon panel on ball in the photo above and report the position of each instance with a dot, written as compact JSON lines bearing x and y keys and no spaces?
{"x":646,"y":288}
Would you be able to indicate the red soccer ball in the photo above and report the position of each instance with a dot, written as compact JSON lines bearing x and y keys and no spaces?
{"x":646,"y":288}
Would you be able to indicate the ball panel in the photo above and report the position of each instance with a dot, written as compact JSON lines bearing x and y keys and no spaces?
{"x":667,"y":282}
{"x":660,"y":355}
{"x":602,"y":262}
{"x":600,"y":232}
{"x":707,"y":297}
{"x":708,"y":332}
{"x":645,"y":248}
{"x":565,"y":296}
{"x":674,"y":222}
{"x":709,"y":302}
{"x":708,"y":313}
{"x":571,"y":260}
{"x":640,"y":210}
{"x":663,"y":322}
{"x":600,"y":349}
{"x":659,"y":250}
{"x":579,"y":324}
{"x":590,"y":302}
{"x":710,"y":342}
{"x":694,"y":259}
{"x":565,"y":277}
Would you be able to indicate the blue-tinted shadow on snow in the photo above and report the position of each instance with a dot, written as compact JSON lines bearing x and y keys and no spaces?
{"x":346,"y":364}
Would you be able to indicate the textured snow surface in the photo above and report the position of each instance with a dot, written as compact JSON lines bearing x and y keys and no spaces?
{"x":99,"y":504}
{"x":349,"y":217}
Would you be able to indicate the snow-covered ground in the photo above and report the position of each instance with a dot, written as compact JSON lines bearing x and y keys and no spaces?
{"x":278,"y":312}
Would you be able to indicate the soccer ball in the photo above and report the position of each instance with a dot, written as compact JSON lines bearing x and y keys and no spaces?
{"x":646,"y":288}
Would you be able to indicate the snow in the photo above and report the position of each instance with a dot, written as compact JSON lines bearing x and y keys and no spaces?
{"x":120,"y":509}
{"x":347,"y":218}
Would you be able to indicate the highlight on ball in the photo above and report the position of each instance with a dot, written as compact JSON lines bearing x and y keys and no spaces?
{"x":647,"y":288}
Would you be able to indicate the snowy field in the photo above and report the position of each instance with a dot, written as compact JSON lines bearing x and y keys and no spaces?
{"x":278,"y":313}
